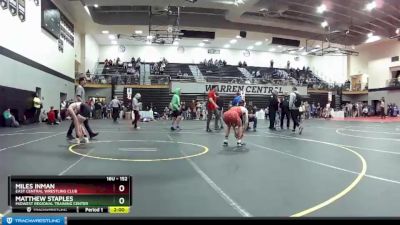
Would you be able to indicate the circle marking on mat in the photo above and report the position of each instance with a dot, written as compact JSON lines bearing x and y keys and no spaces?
{"x":204,"y":148}
{"x":342,"y":193}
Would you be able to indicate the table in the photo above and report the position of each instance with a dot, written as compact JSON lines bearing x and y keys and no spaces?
{"x":148,"y":114}
{"x":337,"y":114}
{"x":260,"y":115}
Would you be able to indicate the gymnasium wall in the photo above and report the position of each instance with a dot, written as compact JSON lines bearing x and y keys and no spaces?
{"x":30,"y":40}
{"x":91,"y":49}
{"x":355,"y":98}
{"x":375,"y":62}
{"x":333,"y":69}
{"x":196,"y":54}
{"x":25,"y":76}
{"x":330,"y":68}
{"x":98,"y":92}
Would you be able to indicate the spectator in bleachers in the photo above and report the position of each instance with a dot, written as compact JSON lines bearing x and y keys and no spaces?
{"x":9,"y":119}
{"x":224,"y":63}
{"x":244,"y":64}
{"x":210,"y":62}
{"x":271,"y":63}
{"x":179,"y":75}
{"x":185,"y":75}
{"x":288,"y":65}
{"x":240,"y":64}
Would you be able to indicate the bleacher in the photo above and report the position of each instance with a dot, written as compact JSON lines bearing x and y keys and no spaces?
{"x":223,"y":71}
{"x":213,"y":73}
{"x":172,"y":70}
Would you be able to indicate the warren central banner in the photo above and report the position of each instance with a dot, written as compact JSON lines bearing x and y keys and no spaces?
{"x":248,"y":89}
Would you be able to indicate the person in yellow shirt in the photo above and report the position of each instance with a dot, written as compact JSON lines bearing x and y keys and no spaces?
{"x":37,"y":105}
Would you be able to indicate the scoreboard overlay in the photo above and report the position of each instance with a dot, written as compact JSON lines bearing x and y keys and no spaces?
{"x":70,"y":194}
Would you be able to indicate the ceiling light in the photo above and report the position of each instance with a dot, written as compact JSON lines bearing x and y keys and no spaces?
{"x":370,"y":6}
{"x":321,"y":9}
{"x":315,"y":50}
{"x":149,"y":37}
{"x":318,"y":46}
{"x":111,"y":37}
{"x":206,"y":40}
{"x":233,"y":41}
{"x":87,"y":10}
{"x":304,"y":53}
{"x":301,"y":48}
{"x":258,"y":43}
{"x":175,"y":43}
{"x":372,"y":39}
{"x":266,"y":39}
{"x":279,"y":46}
{"x":138,"y":32}
{"x":96,"y":6}
{"x":105,"y":32}
{"x":201,"y":44}
{"x":148,"y":42}
{"x":227,"y":46}
{"x":272,"y":49}
{"x":370,"y":35}
{"x":292,"y":52}
{"x":398,"y":31}
{"x":238,"y":36}
{"x":114,"y":42}
{"x":353,"y":47}
{"x":250,"y":47}
{"x":324,"y":24}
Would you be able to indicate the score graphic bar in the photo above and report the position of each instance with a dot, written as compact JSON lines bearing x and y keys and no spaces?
{"x":70,"y":194}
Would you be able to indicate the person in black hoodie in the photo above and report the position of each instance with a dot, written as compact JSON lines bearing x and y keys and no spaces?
{"x":285,"y":110}
{"x":273,"y":107}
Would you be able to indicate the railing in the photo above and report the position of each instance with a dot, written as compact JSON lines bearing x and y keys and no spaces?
{"x":124,"y":79}
{"x":394,"y":82}
{"x":165,"y":79}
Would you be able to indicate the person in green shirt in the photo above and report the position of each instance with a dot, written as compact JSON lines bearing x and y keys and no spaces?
{"x":9,"y":119}
{"x":175,"y":106}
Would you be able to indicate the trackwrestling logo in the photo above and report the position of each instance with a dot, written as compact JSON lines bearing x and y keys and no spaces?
{"x":26,"y":220}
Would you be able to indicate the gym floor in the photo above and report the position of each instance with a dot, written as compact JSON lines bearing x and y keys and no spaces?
{"x":335,"y":168}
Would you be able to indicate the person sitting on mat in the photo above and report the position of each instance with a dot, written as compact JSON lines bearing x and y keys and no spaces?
{"x":9,"y":119}
{"x":51,"y":117}
{"x":233,"y":118}
{"x":79,"y":113}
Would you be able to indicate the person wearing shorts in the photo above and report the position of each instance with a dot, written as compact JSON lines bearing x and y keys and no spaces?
{"x":79,"y":113}
{"x":175,"y":106}
{"x":237,"y":118}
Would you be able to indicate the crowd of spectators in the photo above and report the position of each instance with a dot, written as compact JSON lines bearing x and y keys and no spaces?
{"x":158,"y":68}
{"x":217,"y":62}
